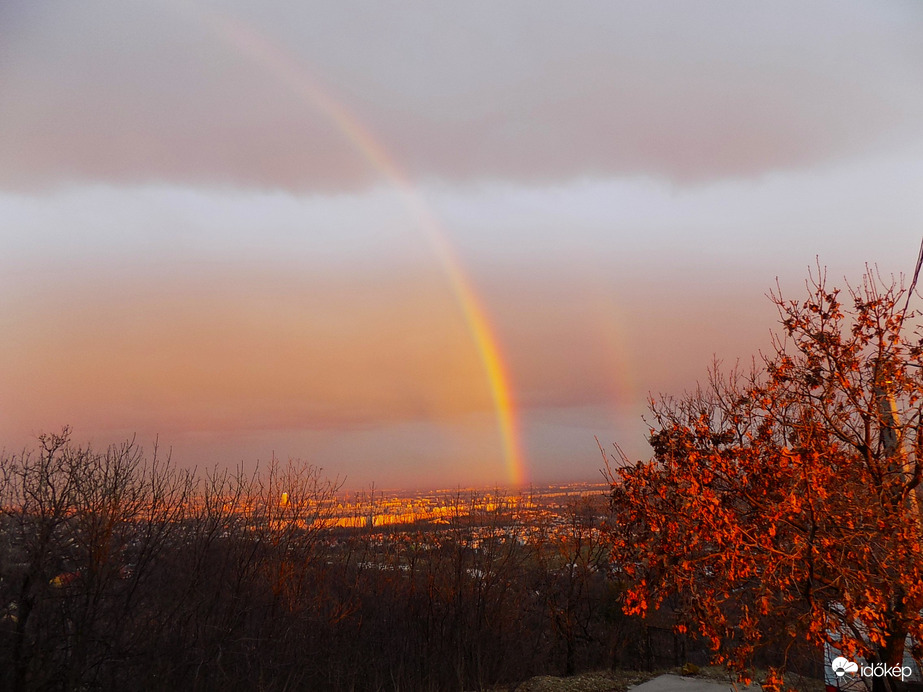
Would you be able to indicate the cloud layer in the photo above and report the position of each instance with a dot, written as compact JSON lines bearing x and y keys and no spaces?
{"x":205,"y":229}
{"x":689,"y":92}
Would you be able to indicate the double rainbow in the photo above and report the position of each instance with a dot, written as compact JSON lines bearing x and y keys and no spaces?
{"x":247,"y":41}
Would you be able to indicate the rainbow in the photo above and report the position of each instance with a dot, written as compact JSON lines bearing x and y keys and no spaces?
{"x":249,"y":42}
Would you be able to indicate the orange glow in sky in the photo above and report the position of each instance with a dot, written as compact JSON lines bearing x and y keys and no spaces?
{"x":432,"y":247}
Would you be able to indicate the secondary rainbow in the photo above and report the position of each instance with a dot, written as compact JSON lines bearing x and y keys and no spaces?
{"x":249,"y":42}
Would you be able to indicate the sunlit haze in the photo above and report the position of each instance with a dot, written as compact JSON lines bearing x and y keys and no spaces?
{"x":425,"y":245}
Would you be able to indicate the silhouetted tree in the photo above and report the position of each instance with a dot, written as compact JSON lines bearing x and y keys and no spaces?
{"x":120,"y":571}
{"x":84,"y":531}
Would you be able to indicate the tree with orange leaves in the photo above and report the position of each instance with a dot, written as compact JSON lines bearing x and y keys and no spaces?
{"x":781,"y":506}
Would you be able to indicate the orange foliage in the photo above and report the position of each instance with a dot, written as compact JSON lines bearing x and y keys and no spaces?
{"x":782,"y":504}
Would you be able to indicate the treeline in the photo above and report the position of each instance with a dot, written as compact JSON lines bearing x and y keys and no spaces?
{"x":121,"y":571}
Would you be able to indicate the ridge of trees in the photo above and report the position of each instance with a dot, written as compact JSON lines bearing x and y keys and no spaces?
{"x":120,"y":571}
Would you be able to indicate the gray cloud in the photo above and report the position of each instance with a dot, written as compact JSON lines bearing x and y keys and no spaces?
{"x":689,"y":92}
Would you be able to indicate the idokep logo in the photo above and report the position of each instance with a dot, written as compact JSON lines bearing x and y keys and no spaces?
{"x":841,"y":666}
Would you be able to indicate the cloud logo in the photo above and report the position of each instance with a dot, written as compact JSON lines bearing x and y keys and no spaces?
{"x":841,"y":666}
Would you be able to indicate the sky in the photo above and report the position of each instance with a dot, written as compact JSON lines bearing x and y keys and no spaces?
{"x":429,"y":244}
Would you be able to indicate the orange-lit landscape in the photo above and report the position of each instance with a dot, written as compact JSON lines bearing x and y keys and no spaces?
{"x":536,"y":269}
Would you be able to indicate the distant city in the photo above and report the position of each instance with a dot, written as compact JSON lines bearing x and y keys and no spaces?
{"x":551,"y":504}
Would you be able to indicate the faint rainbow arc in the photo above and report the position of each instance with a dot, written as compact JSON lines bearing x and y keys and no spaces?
{"x":303,"y":84}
